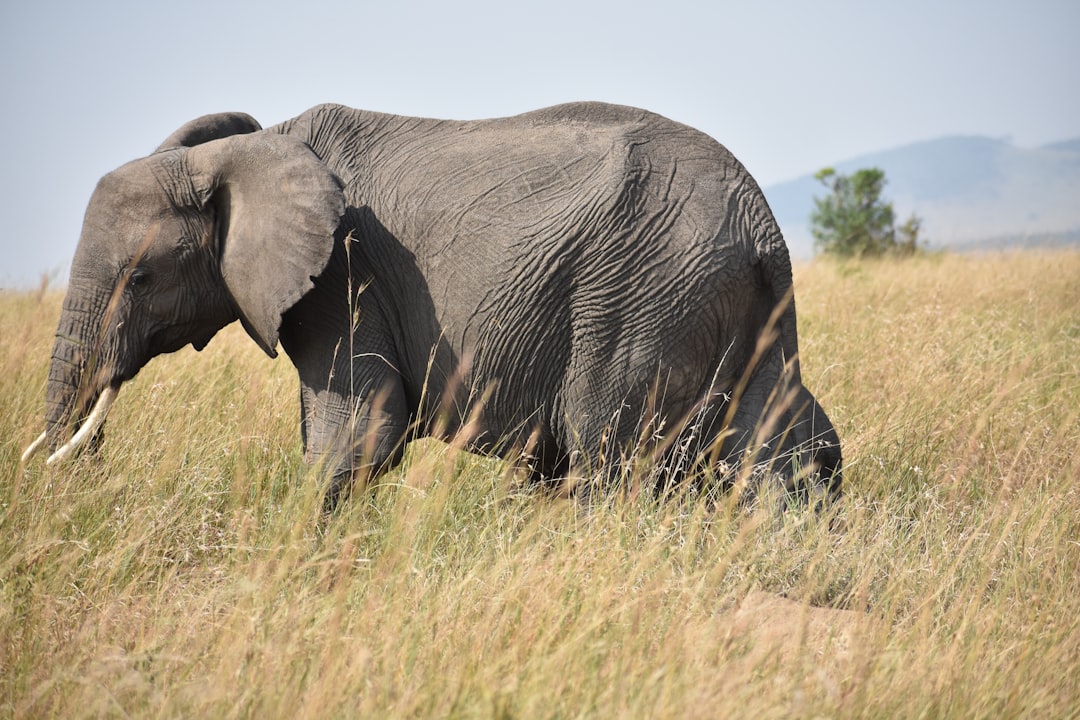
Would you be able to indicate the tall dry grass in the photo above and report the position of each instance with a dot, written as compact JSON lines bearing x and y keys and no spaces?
{"x":184,"y":571}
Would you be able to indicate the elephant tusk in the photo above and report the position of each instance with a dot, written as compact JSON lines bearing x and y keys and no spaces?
{"x":92,"y":425}
{"x":33,"y":448}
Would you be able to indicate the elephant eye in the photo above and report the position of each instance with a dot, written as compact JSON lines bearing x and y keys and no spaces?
{"x":137,"y":278}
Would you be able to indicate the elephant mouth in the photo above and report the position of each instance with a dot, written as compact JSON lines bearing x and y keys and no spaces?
{"x":83,"y":435}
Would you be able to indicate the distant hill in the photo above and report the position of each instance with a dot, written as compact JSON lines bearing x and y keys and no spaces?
{"x":970,"y":191}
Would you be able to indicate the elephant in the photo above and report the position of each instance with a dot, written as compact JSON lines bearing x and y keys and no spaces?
{"x":567,"y":288}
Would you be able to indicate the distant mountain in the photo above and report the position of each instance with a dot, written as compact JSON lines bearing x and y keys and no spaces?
{"x":969,"y":191}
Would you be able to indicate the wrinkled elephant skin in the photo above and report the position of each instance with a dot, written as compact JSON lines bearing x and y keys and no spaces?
{"x":572,"y":287}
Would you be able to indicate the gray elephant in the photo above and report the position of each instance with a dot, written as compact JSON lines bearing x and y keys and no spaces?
{"x":571,"y":287}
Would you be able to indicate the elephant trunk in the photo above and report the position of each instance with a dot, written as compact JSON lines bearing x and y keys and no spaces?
{"x":65,"y":378}
{"x":78,"y":380}
{"x":89,"y":428}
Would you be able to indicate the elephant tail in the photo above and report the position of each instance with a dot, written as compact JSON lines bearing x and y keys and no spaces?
{"x":774,"y":268}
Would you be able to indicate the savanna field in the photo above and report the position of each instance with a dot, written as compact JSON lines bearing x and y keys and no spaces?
{"x":185,"y":570}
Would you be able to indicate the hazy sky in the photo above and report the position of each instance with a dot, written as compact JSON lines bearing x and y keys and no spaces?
{"x":788,"y":86}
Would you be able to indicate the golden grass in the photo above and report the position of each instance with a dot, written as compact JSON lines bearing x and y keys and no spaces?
{"x":183,"y":572}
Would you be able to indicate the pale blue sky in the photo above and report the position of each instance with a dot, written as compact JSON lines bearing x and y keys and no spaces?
{"x":787,"y":86}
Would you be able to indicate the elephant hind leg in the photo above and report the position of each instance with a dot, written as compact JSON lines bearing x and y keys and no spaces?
{"x":818,"y":447}
{"x":777,"y":434}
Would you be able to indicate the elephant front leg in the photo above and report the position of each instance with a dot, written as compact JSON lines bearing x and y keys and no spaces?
{"x":353,"y":438}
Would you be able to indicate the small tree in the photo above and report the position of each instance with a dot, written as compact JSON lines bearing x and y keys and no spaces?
{"x":853,"y":220}
{"x":907,"y":241}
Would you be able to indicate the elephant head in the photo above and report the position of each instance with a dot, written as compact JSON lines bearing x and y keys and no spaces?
{"x":223,"y":222}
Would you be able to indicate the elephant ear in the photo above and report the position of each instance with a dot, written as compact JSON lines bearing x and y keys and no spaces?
{"x":278,"y":206}
{"x":210,"y":127}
